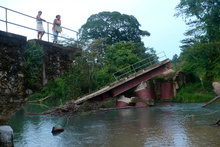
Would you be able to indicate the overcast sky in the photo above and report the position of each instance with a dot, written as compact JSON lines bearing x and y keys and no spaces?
{"x":155,"y":16}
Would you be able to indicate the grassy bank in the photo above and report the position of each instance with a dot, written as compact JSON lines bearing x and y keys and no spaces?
{"x":194,"y":93}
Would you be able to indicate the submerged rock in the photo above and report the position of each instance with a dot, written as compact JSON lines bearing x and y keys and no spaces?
{"x":6,"y":136}
{"x":57,"y":130}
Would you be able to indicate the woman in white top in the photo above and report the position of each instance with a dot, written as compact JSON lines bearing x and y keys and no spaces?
{"x":40,"y":27}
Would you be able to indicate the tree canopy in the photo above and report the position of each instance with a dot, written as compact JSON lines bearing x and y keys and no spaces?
{"x":114,"y":26}
{"x":203,"y":16}
{"x":201,"y":48}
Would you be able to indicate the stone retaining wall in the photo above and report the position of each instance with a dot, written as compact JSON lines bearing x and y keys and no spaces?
{"x":13,"y":88}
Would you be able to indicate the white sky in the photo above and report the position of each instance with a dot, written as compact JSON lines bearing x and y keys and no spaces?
{"x":155,"y":16}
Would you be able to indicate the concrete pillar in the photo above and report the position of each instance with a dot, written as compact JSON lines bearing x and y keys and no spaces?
{"x":122,"y":101}
{"x":6,"y":136}
{"x":143,"y":91}
{"x":167,"y":91}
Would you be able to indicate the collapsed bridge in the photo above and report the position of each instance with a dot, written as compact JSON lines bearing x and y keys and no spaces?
{"x":131,"y":79}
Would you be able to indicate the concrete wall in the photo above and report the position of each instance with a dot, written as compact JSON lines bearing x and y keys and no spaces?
{"x":57,"y":60}
{"x":12,"y":85}
{"x":13,"y":89}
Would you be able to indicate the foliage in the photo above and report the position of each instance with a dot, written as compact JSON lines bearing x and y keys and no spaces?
{"x":193,"y":93}
{"x":57,"y":87}
{"x":203,"y":15}
{"x":203,"y":60}
{"x":176,"y":62}
{"x":121,"y":54}
{"x":109,"y":103}
{"x":33,"y":54}
{"x":86,"y":106}
{"x":200,"y":50}
{"x":114,"y":26}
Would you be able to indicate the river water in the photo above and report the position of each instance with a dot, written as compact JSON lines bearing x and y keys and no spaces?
{"x":166,"y":124}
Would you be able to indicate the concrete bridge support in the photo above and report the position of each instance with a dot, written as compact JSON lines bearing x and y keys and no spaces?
{"x":164,"y":89}
{"x":122,"y":101}
{"x":167,"y":92}
{"x":143,"y":91}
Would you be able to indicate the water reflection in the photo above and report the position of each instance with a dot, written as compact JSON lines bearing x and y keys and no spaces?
{"x":151,"y":126}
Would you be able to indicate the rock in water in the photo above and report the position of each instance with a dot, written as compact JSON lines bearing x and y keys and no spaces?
{"x":57,"y":130}
{"x":216,"y":86}
{"x":6,"y":136}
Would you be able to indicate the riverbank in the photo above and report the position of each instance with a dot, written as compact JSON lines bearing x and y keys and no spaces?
{"x":194,"y":93}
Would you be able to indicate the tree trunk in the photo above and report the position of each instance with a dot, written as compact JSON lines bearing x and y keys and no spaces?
{"x":211,"y":101}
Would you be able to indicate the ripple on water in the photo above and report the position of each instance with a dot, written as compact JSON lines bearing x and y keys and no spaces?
{"x":152,"y":126}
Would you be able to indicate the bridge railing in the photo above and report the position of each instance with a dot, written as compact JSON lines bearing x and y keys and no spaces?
{"x":134,"y":68}
{"x":30,"y":28}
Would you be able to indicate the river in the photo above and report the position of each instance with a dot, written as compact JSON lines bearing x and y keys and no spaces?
{"x":166,"y":124}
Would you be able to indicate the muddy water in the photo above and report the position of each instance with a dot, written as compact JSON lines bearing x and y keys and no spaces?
{"x":162,"y":125}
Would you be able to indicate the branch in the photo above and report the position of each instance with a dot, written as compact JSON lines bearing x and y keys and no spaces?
{"x":211,"y":101}
{"x":41,"y":99}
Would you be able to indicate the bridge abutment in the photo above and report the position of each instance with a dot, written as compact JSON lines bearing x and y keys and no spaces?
{"x":57,"y":60}
{"x":12,"y":76}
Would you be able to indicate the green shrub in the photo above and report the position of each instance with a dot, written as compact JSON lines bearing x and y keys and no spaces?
{"x":33,"y":54}
{"x":194,"y":93}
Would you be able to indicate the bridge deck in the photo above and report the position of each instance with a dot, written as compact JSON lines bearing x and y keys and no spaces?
{"x":123,"y":81}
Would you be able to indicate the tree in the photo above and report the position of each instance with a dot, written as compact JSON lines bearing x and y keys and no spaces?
{"x":200,"y":50}
{"x":203,"y":16}
{"x":203,"y":60}
{"x":121,"y":54}
{"x":114,"y":26}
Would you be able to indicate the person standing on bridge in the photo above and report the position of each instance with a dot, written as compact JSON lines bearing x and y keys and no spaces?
{"x":40,"y":27}
{"x":56,"y":28}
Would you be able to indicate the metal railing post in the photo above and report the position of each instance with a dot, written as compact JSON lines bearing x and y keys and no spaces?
{"x":133,"y":68}
{"x":48,"y":31}
{"x":150,"y":61}
{"x":165,"y":54}
{"x":115,"y":77}
{"x":6,"y":20}
{"x":77,"y":44}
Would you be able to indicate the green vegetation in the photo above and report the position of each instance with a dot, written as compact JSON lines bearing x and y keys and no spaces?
{"x":200,"y":54}
{"x":33,"y":54}
{"x":201,"y":49}
{"x":194,"y":93}
{"x":114,"y":26}
{"x":109,"y":103}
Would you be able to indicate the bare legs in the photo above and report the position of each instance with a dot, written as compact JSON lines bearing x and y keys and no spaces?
{"x":40,"y":35}
{"x":55,"y":36}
